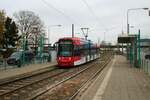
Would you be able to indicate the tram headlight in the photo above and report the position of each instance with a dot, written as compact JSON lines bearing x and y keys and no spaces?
{"x":59,"y":58}
{"x":69,"y":58}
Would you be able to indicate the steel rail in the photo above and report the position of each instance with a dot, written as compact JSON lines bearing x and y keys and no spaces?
{"x":26,"y":75}
{"x":89,"y":80}
{"x":48,"y":88}
{"x":32,"y":82}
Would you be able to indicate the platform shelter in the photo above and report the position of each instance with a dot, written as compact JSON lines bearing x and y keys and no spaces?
{"x":132,"y":49}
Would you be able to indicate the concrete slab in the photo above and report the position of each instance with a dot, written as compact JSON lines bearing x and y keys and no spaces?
{"x":126,"y":83}
{"x":4,"y":74}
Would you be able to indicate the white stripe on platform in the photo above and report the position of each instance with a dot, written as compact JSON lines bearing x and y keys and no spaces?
{"x":101,"y":90}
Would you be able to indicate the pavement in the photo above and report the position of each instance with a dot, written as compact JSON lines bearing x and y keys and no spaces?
{"x":7,"y":74}
{"x":121,"y":82}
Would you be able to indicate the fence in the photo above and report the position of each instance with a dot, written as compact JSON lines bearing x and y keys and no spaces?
{"x":36,"y":60}
{"x":145,"y":65}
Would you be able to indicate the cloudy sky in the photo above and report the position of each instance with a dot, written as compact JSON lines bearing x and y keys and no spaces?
{"x":106,"y":19}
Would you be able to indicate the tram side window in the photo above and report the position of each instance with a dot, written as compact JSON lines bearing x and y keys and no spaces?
{"x":77,"y":50}
{"x":89,"y":50}
{"x":82,"y":53}
{"x":85,"y":49}
{"x":93,"y":50}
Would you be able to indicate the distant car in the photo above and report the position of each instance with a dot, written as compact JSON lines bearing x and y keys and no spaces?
{"x":16,"y":58}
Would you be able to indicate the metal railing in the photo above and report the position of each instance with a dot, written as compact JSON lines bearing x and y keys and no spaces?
{"x":145,"y":65}
{"x":26,"y":62}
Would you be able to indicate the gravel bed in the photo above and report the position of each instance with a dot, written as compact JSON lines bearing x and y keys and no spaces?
{"x":67,"y":89}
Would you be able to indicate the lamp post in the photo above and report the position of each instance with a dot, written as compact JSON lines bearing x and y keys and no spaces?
{"x":35,"y":31}
{"x":49,"y":59}
{"x":134,"y":57}
{"x":128,"y":25}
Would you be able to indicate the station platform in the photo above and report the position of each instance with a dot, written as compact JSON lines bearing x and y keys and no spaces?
{"x":31,"y":68}
{"x":121,"y":82}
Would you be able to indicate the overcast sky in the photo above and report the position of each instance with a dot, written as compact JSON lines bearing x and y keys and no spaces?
{"x":100,"y":16}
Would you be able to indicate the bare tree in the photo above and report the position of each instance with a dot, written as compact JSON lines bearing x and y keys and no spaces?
{"x":27,"y":21}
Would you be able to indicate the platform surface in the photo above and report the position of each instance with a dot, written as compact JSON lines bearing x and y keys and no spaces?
{"x":124,"y":83}
{"x":4,"y":74}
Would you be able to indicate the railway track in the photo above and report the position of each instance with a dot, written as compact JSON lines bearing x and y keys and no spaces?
{"x":37,"y":85}
{"x":26,"y":75}
{"x":21,"y":88}
{"x":89,"y":81}
{"x":57,"y":91}
{"x":12,"y":89}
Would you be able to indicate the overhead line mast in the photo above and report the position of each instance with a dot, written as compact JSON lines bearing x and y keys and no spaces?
{"x":85,"y":32}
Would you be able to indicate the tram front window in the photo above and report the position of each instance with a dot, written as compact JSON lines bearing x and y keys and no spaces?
{"x":65,"y":49}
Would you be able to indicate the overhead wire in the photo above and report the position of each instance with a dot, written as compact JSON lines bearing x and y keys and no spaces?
{"x":59,"y":11}
{"x":70,"y":18}
{"x":93,"y":13}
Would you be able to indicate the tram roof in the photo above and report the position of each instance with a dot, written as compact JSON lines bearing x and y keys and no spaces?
{"x":76,"y":40}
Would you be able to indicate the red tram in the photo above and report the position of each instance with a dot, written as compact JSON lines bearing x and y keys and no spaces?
{"x":75,"y":51}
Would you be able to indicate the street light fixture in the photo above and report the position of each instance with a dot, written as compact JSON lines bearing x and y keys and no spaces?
{"x":128,"y":25}
{"x":145,"y":8}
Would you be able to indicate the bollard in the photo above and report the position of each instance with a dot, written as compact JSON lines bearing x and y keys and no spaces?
{"x":23,"y":94}
{"x":5,"y":63}
{"x":145,"y":66}
{"x":142,"y":64}
{"x":148,"y":67}
{"x":15,"y":97}
{"x":7,"y":98}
